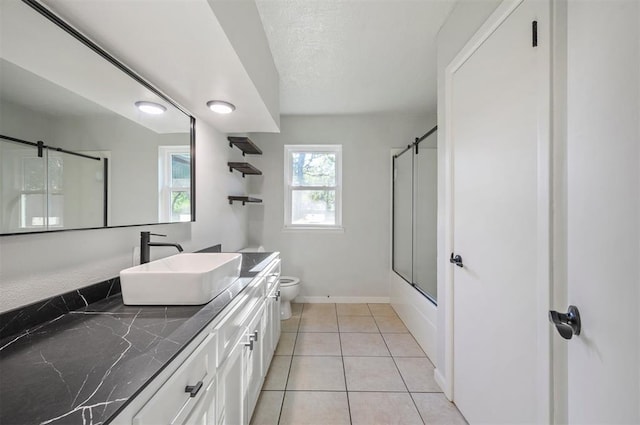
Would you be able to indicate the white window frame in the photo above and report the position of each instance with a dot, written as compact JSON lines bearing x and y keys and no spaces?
{"x":164,"y":181}
{"x":289,"y":188}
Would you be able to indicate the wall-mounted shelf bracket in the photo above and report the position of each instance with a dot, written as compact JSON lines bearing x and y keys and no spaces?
{"x":244,"y":199}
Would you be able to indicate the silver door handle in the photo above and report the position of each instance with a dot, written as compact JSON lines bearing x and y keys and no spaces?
{"x":568,"y":324}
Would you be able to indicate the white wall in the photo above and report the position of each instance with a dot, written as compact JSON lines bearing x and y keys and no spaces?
{"x":349,"y":266}
{"x":464,"y":20}
{"x":35,"y":267}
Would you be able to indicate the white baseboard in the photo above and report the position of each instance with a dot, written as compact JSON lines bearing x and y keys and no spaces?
{"x":342,"y":300}
{"x":441,"y":382}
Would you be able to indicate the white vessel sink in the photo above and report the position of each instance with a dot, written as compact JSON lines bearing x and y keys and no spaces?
{"x":183,"y":279}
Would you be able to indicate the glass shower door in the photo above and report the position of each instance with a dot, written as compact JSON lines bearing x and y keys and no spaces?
{"x":403,"y":215}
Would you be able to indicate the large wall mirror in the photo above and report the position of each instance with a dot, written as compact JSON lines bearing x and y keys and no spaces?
{"x":77,"y":149}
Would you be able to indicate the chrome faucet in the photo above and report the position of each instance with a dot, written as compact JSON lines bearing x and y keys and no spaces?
{"x":145,"y":243}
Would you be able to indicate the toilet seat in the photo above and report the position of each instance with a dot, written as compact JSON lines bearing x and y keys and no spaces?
{"x":288,"y":281}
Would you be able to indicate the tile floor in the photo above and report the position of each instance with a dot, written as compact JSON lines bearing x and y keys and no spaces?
{"x":350,"y":364}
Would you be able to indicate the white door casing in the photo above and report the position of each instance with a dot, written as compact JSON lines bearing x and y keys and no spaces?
{"x":498,"y":197}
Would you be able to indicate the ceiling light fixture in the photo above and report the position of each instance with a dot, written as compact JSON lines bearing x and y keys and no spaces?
{"x":150,"y":107}
{"x":221,"y":107}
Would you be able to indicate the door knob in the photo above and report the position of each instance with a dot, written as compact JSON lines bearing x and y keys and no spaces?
{"x":568,"y":324}
{"x":457,"y":260}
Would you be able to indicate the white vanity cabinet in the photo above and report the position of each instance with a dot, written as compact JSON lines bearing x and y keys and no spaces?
{"x":272,"y":313}
{"x":224,"y":367}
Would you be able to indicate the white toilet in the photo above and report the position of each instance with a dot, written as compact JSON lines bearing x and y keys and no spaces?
{"x":289,"y":289}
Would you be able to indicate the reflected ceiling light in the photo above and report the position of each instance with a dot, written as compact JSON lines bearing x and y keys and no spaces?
{"x":221,"y":107}
{"x":151,"y":107}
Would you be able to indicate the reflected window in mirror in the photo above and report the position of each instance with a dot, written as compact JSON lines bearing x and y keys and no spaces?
{"x":175,"y":183}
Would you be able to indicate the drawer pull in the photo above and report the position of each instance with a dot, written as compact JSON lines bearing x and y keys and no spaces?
{"x":254,"y":336}
{"x":249,"y":344}
{"x":193,"y":389}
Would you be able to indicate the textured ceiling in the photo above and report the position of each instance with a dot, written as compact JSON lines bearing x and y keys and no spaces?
{"x":354,"y":56}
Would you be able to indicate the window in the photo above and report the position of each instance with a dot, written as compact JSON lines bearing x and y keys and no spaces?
{"x":313,"y":192}
{"x":174,"y":179}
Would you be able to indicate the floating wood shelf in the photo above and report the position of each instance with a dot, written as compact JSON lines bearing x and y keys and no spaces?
{"x":244,"y":200}
{"x":245,"y":145}
{"x":244,"y":167}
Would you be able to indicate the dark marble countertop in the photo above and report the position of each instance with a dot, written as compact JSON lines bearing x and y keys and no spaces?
{"x":84,"y":367}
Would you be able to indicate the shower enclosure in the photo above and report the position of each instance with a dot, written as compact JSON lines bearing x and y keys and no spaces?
{"x":47,"y":188}
{"x":415,"y":214}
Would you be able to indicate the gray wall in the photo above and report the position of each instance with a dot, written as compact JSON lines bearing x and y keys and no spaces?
{"x":355,"y":263}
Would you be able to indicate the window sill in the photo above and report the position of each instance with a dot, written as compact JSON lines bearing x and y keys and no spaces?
{"x":314,"y":229}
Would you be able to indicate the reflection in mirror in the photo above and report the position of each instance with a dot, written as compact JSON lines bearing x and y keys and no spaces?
{"x":101,"y":160}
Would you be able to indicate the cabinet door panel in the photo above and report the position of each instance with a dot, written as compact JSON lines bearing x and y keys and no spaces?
{"x":253,"y":362}
{"x":230,"y":394}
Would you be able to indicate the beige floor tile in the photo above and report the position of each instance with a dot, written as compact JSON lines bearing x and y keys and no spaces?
{"x":276,"y":378}
{"x":353,"y":310}
{"x":285,"y":344}
{"x":382,"y":310}
{"x":372,"y":374}
{"x":437,"y":410}
{"x":357,"y":324}
{"x":315,"y":408}
{"x":296,"y":309}
{"x":267,"y":411}
{"x":309,"y":373}
{"x":363,"y":344}
{"x":390,"y":324}
{"x":290,"y":325}
{"x":383,"y":408}
{"x":418,"y":374}
{"x":319,"y":323}
{"x":317,"y":344}
{"x":403,"y":345}
{"x":318,"y":310}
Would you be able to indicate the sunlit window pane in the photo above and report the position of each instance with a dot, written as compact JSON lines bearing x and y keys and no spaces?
{"x":180,"y":170}
{"x":313,"y":169}
{"x":180,"y":205}
{"x":313,"y":207}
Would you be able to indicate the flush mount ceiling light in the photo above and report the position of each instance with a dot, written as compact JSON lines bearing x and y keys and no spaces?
{"x":221,"y":107}
{"x":150,"y":107}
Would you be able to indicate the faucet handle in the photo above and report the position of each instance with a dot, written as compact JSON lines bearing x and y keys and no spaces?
{"x":157,"y":234}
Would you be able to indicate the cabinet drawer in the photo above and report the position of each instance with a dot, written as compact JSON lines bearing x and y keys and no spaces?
{"x":230,"y":327}
{"x":172,"y":403}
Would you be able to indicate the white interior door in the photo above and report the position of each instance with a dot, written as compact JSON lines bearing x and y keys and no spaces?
{"x":603,"y":213}
{"x":498,"y":134}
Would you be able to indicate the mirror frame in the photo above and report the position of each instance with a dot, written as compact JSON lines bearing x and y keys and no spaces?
{"x":56,"y":20}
